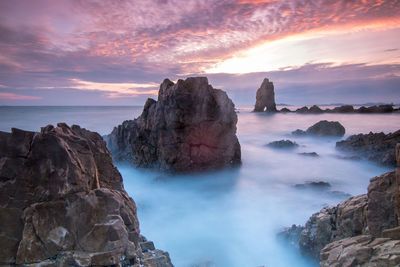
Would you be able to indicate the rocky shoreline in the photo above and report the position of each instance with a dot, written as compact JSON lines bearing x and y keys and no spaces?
{"x":361,"y":231}
{"x":62,"y":203}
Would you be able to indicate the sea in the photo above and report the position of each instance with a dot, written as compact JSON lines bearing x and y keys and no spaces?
{"x":232,"y":217}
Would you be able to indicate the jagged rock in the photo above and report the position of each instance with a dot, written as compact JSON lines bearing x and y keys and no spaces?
{"x":191,"y":127}
{"x":343,"y":109}
{"x":265,"y":98}
{"x":363,"y":251}
{"x":62,"y":201}
{"x":299,"y":132}
{"x":302,"y":110}
{"x":315,"y":109}
{"x":285,"y":110}
{"x":376,"y":109}
{"x":283,"y":144}
{"x":377,"y":147}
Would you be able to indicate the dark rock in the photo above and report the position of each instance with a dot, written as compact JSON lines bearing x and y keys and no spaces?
{"x":291,"y":235}
{"x":191,"y":127}
{"x":299,"y":132}
{"x":285,"y":110}
{"x":314,"y":185}
{"x":377,"y":147}
{"x":283,"y":144}
{"x":343,"y":109}
{"x":302,"y":110}
{"x":315,"y":109}
{"x":265,"y":98}
{"x":326,"y":128}
{"x":376,"y":109}
{"x":146,"y":246}
{"x":62,"y":202}
{"x":309,"y":154}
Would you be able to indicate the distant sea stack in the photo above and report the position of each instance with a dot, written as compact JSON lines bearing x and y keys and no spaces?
{"x":191,"y":127}
{"x":62,"y":203}
{"x":265,"y":98}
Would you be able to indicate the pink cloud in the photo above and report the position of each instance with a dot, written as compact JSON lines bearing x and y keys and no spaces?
{"x":12,"y":96}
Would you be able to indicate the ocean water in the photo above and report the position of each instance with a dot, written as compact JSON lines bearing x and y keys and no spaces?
{"x":231,"y":217}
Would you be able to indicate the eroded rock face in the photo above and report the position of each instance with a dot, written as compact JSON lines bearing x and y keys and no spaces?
{"x":191,"y":127}
{"x":377,"y":147}
{"x":265,"y":98}
{"x":62,"y":201}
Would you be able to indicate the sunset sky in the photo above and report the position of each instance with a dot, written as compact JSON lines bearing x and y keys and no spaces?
{"x":116,"y":52}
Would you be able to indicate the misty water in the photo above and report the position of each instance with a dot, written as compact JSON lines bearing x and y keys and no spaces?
{"x":231,"y":217}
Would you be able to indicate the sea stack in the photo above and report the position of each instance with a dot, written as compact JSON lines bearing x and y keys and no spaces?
{"x":191,"y":127}
{"x":62,"y":203}
{"x":265,"y":98}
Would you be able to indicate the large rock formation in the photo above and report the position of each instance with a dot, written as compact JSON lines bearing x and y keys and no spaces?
{"x":265,"y":98}
{"x":191,"y":127}
{"x":62,"y":202}
{"x":361,"y":231}
{"x":323,"y":128}
{"x":377,"y":147}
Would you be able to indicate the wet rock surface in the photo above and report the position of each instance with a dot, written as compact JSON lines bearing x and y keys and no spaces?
{"x":377,"y":147}
{"x":62,"y":202}
{"x":191,"y":127}
{"x":265,"y":98}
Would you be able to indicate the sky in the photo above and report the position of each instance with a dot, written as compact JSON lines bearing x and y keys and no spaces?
{"x":117,"y":52}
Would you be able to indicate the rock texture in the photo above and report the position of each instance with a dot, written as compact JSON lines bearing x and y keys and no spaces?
{"x":62,"y":202}
{"x":191,"y":127}
{"x":265,"y":98}
{"x":283,"y":144}
{"x":377,"y":147}
{"x":323,"y":128}
{"x":361,"y":231}
{"x":348,"y":109}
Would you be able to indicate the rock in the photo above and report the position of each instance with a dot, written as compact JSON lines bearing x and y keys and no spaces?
{"x":265,"y":98}
{"x":314,"y":185}
{"x":377,"y":147}
{"x":291,"y":235}
{"x":285,"y":110}
{"x":283,"y":144}
{"x":302,"y":110}
{"x":343,"y":109}
{"x":326,"y":128}
{"x":191,"y":127}
{"x":299,"y":132}
{"x":363,"y":251}
{"x":315,"y":109}
{"x":309,"y":154}
{"x":62,"y":202}
{"x":376,"y":109}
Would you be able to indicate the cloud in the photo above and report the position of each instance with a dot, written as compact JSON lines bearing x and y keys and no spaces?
{"x":12,"y":96}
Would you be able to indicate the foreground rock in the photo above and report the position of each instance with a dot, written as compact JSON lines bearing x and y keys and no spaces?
{"x":283,"y":144}
{"x":191,"y":127}
{"x":265,"y":98}
{"x":323,"y":128}
{"x":361,"y":231}
{"x":62,"y":202}
{"x":377,"y":147}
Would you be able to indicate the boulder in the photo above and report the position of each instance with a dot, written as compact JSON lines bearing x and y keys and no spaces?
{"x":343,"y":109}
{"x":377,"y":147}
{"x":191,"y":127}
{"x":62,"y":201}
{"x":315,"y":109}
{"x":376,"y":109}
{"x":284,"y":110}
{"x":265,"y":98}
{"x":283,"y":144}
{"x":326,"y":128}
{"x":309,"y":154}
{"x":302,"y":110}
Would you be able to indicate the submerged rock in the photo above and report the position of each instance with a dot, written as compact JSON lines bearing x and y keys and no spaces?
{"x":62,"y":202}
{"x":320,"y":185}
{"x":315,"y":109}
{"x":343,"y":109}
{"x":302,"y":110}
{"x":265,"y":98}
{"x":285,"y":110}
{"x":309,"y":154}
{"x":377,"y":147}
{"x":191,"y":127}
{"x":283,"y":144}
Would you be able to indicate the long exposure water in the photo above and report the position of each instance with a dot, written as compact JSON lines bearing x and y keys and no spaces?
{"x":231,"y":217}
